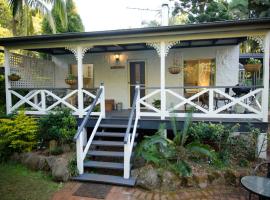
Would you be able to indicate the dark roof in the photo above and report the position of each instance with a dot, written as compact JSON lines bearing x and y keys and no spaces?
{"x":136,"y":31}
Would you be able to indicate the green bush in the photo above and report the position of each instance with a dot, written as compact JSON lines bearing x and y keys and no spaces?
{"x":18,"y":134}
{"x":176,"y":153}
{"x":59,"y":125}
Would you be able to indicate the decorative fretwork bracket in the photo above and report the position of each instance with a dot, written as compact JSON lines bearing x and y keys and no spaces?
{"x":75,"y":50}
{"x":259,"y":39}
{"x":169,"y":45}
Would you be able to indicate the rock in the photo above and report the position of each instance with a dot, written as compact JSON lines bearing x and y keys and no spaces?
{"x":50,"y":161}
{"x":215,"y":177}
{"x":170,"y":182}
{"x":230,"y":177}
{"x":16,"y":157}
{"x":32,"y":161}
{"x":188,"y":181}
{"x":201,"y":180}
{"x":60,"y":170}
{"x":147,"y":177}
{"x":66,"y":148}
{"x":138,"y":162}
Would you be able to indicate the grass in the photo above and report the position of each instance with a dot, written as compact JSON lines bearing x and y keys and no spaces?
{"x":19,"y":183}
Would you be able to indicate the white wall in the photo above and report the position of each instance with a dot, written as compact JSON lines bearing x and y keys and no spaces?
{"x":116,"y":80}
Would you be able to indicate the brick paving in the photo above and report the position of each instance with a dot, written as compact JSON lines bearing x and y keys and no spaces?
{"x":126,"y":193}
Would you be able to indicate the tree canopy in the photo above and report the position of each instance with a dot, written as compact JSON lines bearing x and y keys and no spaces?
{"x":74,"y":22}
{"x":218,"y":10}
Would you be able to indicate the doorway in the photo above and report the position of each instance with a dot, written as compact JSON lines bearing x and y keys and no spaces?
{"x":136,"y":76}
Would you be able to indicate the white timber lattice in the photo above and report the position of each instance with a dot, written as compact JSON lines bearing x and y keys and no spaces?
{"x":34,"y":72}
{"x":169,"y":45}
{"x":259,"y":39}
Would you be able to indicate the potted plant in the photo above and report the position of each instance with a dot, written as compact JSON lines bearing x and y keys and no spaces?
{"x":156,"y":103}
{"x":71,"y":79}
{"x":174,"y":69}
{"x":14,"y":77}
{"x":253,"y":65}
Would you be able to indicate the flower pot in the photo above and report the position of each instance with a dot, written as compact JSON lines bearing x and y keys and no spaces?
{"x":71,"y":81}
{"x":239,"y":109}
{"x":174,"y":70}
{"x":14,"y":77}
{"x":252,"y":67}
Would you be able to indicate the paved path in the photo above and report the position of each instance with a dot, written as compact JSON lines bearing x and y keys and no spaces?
{"x":125,"y":193}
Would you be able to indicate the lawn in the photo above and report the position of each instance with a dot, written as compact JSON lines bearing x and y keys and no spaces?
{"x":19,"y":183}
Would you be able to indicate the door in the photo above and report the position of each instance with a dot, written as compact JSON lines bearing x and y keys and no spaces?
{"x":136,"y":76}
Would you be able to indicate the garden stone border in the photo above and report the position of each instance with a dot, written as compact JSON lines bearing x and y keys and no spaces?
{"x":151,"y":178}
{"x":57,"y":166}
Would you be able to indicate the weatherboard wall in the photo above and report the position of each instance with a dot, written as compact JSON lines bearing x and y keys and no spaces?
{"x":116,"y":81}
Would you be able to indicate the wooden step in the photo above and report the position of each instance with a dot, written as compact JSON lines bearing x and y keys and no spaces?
{"x":115,"y":126}
{"x":106,"y":153}
{"x":99,"y":178}
{"x":104,"y":165}
{"x":107,"y":143}
{"x":110,"y":134}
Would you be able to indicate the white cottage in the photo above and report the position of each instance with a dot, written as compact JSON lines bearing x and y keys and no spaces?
{"x":139,"y":78}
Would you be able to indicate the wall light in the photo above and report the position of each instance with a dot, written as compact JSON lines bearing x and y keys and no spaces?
{"x":117,"y":58}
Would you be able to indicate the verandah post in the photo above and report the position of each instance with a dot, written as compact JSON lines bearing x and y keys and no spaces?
{"x":162,"y":80}
{"x":265,"y":95}
{"x":7,"y":82}
{"x":80,"y":81}
{"x":102,"y":101}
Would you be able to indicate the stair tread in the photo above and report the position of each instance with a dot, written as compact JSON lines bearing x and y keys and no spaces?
{"x":107,"y":143}
{"x":115,"y":125}
{"x":106,"y":165}
{"x":100,"y":178}
{"x":106,"y":153}
{"x":111,"y":134}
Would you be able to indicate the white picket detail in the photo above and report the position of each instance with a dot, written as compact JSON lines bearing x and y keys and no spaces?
{"x":37,"y":99}
{"x":248,"y":101}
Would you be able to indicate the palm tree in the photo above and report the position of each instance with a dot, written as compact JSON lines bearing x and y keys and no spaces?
{"x":22,"y":12}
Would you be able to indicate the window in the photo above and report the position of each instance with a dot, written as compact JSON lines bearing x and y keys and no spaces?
{"x":88,"y":74}
{"x":199,"y":72}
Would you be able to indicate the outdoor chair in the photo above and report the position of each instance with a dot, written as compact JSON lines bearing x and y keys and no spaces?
{"x":220,"y":98}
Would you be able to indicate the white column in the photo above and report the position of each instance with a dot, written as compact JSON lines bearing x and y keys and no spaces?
{"x":79,"y":153}
{"x":265,"y":95}
{"x":80,"y":81}
{"x":7,"y":82}
{"x":162,"y":80}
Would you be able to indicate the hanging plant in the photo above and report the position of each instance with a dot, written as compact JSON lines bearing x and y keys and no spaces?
{"x":71,"y":79}
{"x":14,"y":77}
{"x":253,"y":65}
{"x":174,"y":70}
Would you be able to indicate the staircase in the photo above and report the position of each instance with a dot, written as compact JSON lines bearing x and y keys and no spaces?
{"x":105,"y":156}
{"x":104,"y":162}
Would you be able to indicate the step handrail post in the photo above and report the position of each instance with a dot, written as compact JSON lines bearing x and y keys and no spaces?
{"x":79,"y":153}
{"x":102,"y":101}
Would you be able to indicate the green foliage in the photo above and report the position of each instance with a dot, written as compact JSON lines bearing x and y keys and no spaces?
{"x":203,"y":11}
{"x":174,"y":153}
{"x":5,"y":15}
{"x":59,"y":125}
{"x":156,"y":103}
{"x":17,"y":135}
{"x":253,"y":61}
{"x":72,"y":167}
{"x":74,"y":22}
{"x":56,"y":150}
{"x":71,"y":77}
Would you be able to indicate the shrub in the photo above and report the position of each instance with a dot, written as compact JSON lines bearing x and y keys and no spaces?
{"x":173,"y":154}
{"x":18,"y":134}
{"x":59,"y":125}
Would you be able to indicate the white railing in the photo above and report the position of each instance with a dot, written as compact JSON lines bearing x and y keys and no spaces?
{"x":37,"y":101}
{"x":207,"y":102}
{"x":81,"y":135}
{"x":130,"y":136}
